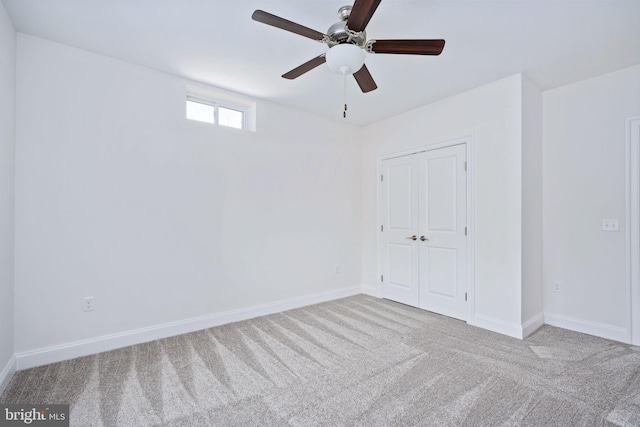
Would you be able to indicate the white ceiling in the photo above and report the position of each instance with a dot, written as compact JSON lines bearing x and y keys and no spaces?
{"x":553,"y":42}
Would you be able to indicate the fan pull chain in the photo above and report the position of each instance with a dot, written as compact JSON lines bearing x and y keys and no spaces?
{"x":344,"y":113}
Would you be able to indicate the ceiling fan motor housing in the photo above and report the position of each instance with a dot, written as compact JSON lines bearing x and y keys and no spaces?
{"x":338,"y":33}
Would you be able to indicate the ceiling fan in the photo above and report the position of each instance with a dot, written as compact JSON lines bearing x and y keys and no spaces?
{"x":347,"y":42}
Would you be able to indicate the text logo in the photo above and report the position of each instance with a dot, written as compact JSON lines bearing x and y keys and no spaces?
{"x":34,"y":415}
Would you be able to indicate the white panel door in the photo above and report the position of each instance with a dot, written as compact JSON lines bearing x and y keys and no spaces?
{"x":443,"y":242}
{"x":400,"y":219}
{"x":423,"y":235}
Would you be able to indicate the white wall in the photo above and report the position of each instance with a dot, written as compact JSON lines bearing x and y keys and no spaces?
{"x":7,"y":167}
{"x":584,"y":182}
{"x":532,"y":302}
{"x":163,"y":219}
{"x":491,"y":114}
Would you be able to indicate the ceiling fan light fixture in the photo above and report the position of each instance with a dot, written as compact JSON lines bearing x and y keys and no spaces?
{"x":345,"y":58}
{"x":347,"y":41}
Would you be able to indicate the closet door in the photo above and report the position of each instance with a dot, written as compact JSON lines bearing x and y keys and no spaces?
{"x":423,"y":230}
{"x":400,"y":220}
{"x":443,"y":244}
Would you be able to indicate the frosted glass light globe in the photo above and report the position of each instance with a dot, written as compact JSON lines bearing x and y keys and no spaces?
{"x":345,"y":58}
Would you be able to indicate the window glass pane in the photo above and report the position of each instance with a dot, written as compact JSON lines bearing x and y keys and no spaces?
{"x":201,"y":112}
{"x":231,"y":118}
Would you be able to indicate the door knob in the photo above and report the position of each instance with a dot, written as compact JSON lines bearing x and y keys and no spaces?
{"x":423,"y":238}
{"x":414,"y":237}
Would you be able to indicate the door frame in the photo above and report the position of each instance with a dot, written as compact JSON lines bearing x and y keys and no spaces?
{"x":470,"y":182}
{"x":632,"y":207}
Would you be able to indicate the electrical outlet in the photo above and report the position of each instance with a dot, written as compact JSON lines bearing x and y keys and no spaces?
{"x":610,"y":224}
{"x":557,"y":286}
{"x":87,"y":304}
{"x":337,"y":269}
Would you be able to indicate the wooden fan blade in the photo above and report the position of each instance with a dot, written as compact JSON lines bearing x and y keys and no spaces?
{"x":364,"y":79}
{"x":284,"y":24}
{"x":307,"y":66}
{"x":408,"y":47}
{"x":361,"y":13}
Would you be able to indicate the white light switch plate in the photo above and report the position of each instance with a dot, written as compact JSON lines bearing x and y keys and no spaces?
{"x":610,"y":224}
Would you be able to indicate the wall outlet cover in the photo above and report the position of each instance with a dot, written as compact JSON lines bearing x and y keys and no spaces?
{"x":87,"y":304}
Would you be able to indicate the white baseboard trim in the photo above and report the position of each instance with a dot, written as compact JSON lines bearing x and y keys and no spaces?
{"x":500,"y":326}
{"x":531,"y":325}
{"x":58,"y":353}
{"x":588,"y":327}
{"x":371,"y":291}
{"x":7,"y":372}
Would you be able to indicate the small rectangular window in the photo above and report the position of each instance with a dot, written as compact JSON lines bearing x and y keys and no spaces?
{"x":219,"y":107}
{"x":209,"y":111}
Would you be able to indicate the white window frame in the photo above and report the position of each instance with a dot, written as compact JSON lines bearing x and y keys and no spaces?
{"x":218,"y":98}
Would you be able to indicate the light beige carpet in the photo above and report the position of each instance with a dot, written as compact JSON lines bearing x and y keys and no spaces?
{"x":355,"y":361}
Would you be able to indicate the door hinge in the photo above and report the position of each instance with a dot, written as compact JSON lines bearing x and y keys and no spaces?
{"x":381,"y":278}
{"x":465,"y":231}
{"x":381,"y":178}
{"x":382,"y":228}
{"x":465,"y":165}
{"x":465,"y":296}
